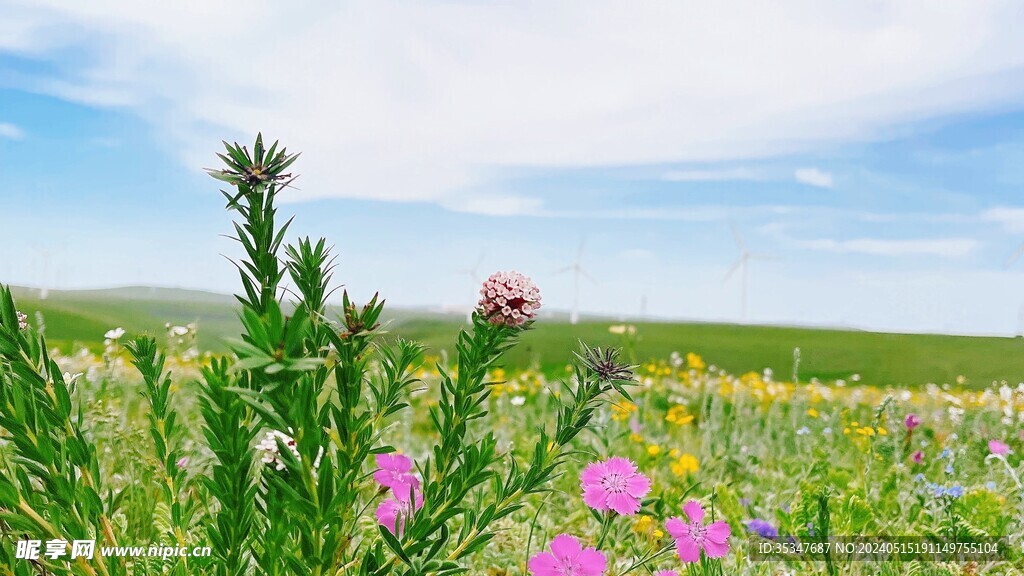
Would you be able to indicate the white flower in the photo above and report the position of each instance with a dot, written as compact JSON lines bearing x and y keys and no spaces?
{"x":270,"y":449}
{"x":178,"y":331}
{"x":518,"y":400}
{"x":114,"y":334}
{"x":803,"y":431}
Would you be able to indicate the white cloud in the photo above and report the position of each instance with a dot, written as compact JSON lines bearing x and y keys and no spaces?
{"x":712,"y":175}
{"x":1011,"y":219}
{"x":10,"y":131}
{"x":407,"y":102}
{"x":813,"y":177}
{"x":944,"y":247}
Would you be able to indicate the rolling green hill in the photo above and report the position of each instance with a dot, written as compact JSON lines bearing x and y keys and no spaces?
{"x":881,"y":359}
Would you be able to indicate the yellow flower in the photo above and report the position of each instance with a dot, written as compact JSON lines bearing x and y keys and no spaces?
{"x":657,"y":534}
{"x":653,"y":450}
{"x":812,"y":413}
{"x":622,"y":411}
{"x":678,"y":415}
{"x":636,"y":438}
{"x":686,"y":464}
{"x":674,"y":453}
{"x":882,"y":432}
{"x":695,"y":362}
{"x":643,"y":525}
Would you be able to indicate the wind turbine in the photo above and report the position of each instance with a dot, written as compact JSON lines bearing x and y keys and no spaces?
{"x":741,"y":265}
{"x":474,"y":278}
{"x":577,"y":272}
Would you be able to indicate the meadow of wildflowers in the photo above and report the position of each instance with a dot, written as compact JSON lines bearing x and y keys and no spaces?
{"x":322,"y":446}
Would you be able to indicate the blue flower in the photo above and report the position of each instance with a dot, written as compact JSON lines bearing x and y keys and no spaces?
{"x":955,"y":492}
{"x":762,"y":528}
{"x":990,"y":485}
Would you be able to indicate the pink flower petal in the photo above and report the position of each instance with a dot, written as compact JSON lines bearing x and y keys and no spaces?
{"x":716,"y":549}
{"x":387,"y":514}
{"x":718,"y":532}
{"x":591,"y":562}
{"x":676,"y":528}
{"x":543,"y":564}
{"x":565,"y":546}
{"x":593,"y":473}
{"x":687,"y":549}
{"x":618,"y":465}
{"x":596,"y":497}
{"x":623,"y":503}
{"x":694,"y":511}
{"x":394,"y":462}
{"x":638,"y":486}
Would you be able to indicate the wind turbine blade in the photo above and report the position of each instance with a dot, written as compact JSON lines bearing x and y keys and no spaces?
{"x":579,"y":251}
{"x":479,"y":262}
{"x":735,"y":267}
{"x":1016,"y":256}
{"x":564,"y":270}
{"x":762,"y":256}
{"x":737,"y":237}
{"x":587,"y":275}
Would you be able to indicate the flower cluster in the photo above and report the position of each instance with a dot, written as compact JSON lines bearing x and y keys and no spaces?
{"x":271,"y":453}
{"x":615,"y":486}
{"x":509,"y":299}
{"x":394,"y":472}
{"x":22,"y":321}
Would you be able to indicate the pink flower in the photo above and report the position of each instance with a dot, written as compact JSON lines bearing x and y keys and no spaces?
{"x":509,"y":298}
{"x":615,"y":485}
{"x":182,"y":462}
{"x":567,"y":558}
{"x":392,"y":513}
{"x":917,"y":457}
{"x":694,"y":536}
{"x":912,"y":421}
{"x":666,"y":573}
{"x":998,"y":448}
{"x":394,"y":473}
{"x":22,"y":320}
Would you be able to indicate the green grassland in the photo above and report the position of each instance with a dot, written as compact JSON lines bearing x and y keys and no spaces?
{"x":880,"y":359}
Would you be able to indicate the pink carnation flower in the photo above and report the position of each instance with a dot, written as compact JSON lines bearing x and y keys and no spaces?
{"x":394,"y":472}
{"x":393,"y":512}
{"x":567,"y":558}
{"x":998,"y":448}
{"x":693,"y":536}
{"x":912,"y":421}
{"x":614,"y":485}
{"x":509,"y":298}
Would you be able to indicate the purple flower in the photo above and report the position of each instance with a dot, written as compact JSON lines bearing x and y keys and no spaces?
{"x":182,"y":462}
{"x":567,"y":558}
{"x":912,"y":421}
{"x":693,"y":536}
{"x":394,"y":472}
{"x":614,"y":485}
{"x":998,"y":447}
{"x":393,"y":512}
{"x":762,"y":528}
{"x":918,"y":457}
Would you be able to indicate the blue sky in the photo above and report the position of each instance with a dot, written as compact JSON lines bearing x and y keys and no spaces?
{"x":883,"y":180}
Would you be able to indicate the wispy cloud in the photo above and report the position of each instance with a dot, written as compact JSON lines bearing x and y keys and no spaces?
{"x":713,"y":175}
{"x":422,"y":102}
{"x":943,"y":247}
{"x":813,"y":177}
{"x":1010,"y":218}
{"x":10,"y":131}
